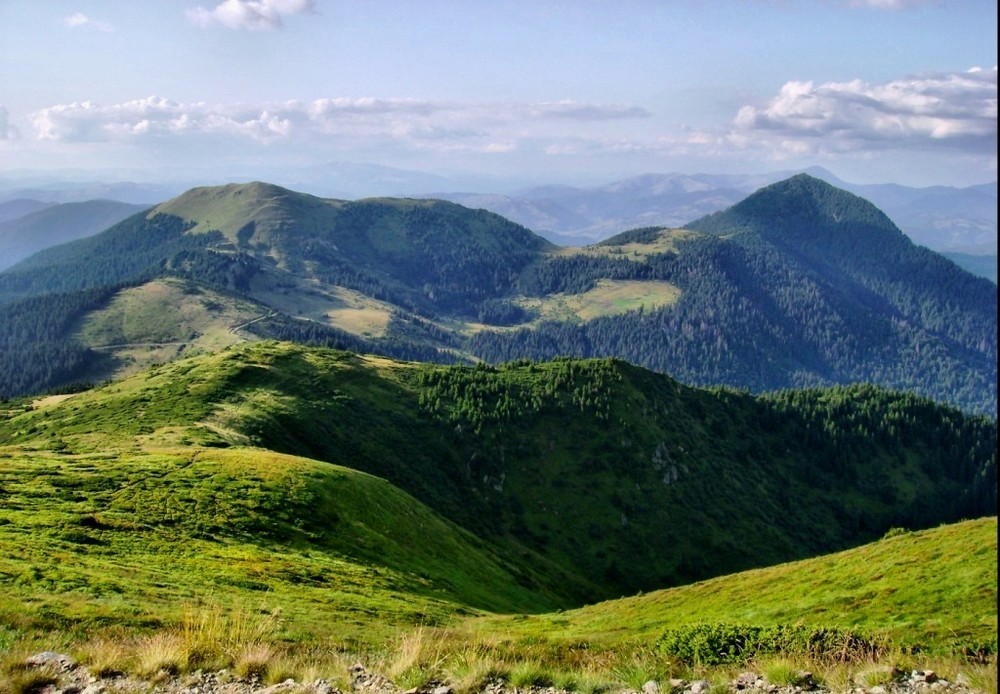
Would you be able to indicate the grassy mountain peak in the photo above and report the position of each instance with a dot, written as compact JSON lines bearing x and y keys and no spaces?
{"x":242,"y":212}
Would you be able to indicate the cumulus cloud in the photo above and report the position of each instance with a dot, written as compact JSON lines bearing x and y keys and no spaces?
{"x":78,"y":20}
{"x":250,"y":15}
{"x":155,"y":117}
{"x":955,"y":110}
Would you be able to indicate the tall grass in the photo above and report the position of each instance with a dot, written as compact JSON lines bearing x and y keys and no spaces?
{"x":249,"y":643}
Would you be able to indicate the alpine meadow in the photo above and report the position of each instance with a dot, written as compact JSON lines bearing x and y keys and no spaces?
{"x":256,"y":439}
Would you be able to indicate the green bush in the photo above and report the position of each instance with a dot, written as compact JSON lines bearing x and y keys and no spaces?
{"x":724,"y":644}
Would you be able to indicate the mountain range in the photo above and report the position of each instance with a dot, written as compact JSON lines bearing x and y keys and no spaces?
{"x":799,"y":284}
{"x":943,"y":218}
{"x":586,"y":477}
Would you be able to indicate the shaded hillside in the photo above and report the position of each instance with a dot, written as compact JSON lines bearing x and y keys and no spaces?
{"x":51,"y":226}
{"x":19,"y":207}
{"x":620,"y":477}
{"x":844,"y":238}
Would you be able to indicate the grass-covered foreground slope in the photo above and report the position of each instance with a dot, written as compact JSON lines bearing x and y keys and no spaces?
{"x":133,"y":539}
{"x":930,"y":589}
{"x":593,"y":479}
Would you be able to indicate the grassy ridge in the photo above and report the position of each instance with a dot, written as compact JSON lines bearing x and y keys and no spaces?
{"x":607,"y":478}
{"x":935,"y":588}
{"x":135,"y":331}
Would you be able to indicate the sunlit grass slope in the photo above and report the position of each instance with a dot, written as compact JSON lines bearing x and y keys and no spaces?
{"x":133,"y":539}
{"x":157,"y":321}
{"x":934,"y":589}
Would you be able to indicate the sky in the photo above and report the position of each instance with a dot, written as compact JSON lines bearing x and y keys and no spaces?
{"x":540,"y":91}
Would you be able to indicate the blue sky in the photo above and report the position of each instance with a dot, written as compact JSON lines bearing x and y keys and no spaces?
{"x":530,"y":90}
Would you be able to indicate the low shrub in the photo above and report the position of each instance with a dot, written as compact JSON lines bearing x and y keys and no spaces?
{"x":730,"y":644}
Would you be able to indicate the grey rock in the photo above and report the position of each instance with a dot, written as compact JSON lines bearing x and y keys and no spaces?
{"x":362,"y":680}
{"x":51,"y":659}
{"x":651,"y":687}
{"x":281,"y":686}
{"x":699,"y":687}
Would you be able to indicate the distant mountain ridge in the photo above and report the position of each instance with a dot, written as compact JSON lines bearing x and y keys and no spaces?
{"x":960,"y":220}
{"x":51,"y":225}
{"x":800,"y":284}
{"x":19,"y":207}
{"x":945,"y":219}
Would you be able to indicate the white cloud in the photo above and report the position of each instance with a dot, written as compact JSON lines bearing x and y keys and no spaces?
{"x":78,"y":20}
{"x":155,"y":117}
{"x":888,"y":4}
{"x":250,"y":15}
{"x":930,"y":122}
{"x":421,"y":123}
{"x":955,"y":110}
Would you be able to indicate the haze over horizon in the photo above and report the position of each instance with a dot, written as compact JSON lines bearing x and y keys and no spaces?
{"x":901,"y":91}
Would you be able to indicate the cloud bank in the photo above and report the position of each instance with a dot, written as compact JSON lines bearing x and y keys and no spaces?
{"x":414,"y":122}
{"x":931,"y":122}
{"x":250,"y":15}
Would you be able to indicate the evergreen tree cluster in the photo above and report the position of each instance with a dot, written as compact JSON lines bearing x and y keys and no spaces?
{"x":34,"y":350}
{"x":394,"y":345}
